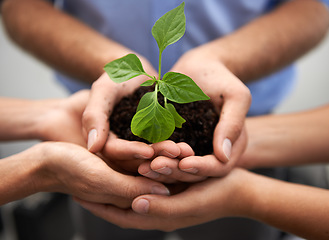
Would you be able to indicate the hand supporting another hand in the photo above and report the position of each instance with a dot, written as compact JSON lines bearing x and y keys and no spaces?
{"x":199,"y":203}
{"x":74,"y":170}
{"x":158,"y":161}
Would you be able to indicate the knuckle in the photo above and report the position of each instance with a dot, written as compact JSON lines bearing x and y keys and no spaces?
{"x":129,"y":191}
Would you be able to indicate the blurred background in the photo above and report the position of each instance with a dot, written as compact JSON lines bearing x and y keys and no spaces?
{"x":22,"y":76}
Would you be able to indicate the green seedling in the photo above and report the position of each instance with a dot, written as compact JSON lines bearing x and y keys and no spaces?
{"x":152,"y":121}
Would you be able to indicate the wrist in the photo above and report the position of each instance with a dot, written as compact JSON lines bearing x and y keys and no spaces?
{"x":23,"y":175}
{"x":45,"y":111}
{"x":254,"y":200}
{"x":20,"y":119}
{"x":44,"y":168}
{"x":245,"y":197}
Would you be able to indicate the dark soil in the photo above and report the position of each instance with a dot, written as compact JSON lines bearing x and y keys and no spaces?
{"x":201,"y":119}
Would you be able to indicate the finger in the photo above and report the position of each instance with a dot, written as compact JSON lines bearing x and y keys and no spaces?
{"x":95,"y":119}
{"x":181,"y":205}
{"x":166,"y":148}
{"x":119,"y":149}
{"x":164,"y":169}
{"x":232,"y":116}
{"x":185,"y":150}
{"x":207,"y":165}
{"x":145,"y":170}
{"x":129,"y":187}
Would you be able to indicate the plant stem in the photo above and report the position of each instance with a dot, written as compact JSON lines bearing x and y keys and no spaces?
{"x":160,"y":63}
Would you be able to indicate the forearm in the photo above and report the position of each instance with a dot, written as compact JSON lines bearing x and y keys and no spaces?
{"x":298,"y":209}
{"x":287,"y":139}
{"x":24,"y":119}
{"x":272,"y":41}
{"x":21,"y":176}
{"x":18,"y":119}
{"x":58,"y":39}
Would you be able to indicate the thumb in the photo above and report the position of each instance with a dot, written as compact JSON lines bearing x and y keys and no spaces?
{"x":161,"y":205}
{"x":229,"y":127}
{"x":95,"y":119}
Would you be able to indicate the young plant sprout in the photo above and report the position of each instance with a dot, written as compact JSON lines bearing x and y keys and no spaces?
{"x":152,"y":121}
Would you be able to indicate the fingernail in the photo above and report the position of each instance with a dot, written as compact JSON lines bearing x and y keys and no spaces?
{"x":142,"y":206}
{"x":159,"y":190}
{"x":190,"y":170}
{"x":164,"y":171}
{"x":227,"y":147}
{"x":151,"y":174}
{"x":92,"y":136}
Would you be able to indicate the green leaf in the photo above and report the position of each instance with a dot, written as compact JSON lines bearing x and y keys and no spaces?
{"x":170,"y":27}
{"x":178,"y":118}
{"x":180,"y":88}
{"x":146,"y":100}
{"x":154,"y":123}
{"x":125,"y":68}
{"x":148,"y":83}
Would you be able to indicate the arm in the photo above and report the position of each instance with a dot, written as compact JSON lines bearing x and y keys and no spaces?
{"x":50,"y":119}
{"x":287,"y":139}
{"x":70,"y":169}
{"x":272,"y":41}
{"x":58,"y":39}
{"x":293,"y":208}
{"x":273,"y":140}
{"x":60,"y":120}
{"x":253,"y":51}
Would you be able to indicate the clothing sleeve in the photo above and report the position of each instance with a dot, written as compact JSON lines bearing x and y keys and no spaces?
{"x":325,"y":2}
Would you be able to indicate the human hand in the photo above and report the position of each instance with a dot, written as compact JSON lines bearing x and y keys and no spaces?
{"x":164,"y":167}
{"x":61,"y":119}
{"x":105,"y":94}
{"x":199,"y":203}
{"x":190,"y":168}
{"x":158,"y":161}
{"x":229,"y":95}
{"x":73,"y":170}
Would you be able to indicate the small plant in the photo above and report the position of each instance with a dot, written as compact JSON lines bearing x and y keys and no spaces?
{"x":152,"y":121}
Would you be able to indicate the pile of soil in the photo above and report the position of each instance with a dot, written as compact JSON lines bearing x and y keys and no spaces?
{"x":201,"y":119}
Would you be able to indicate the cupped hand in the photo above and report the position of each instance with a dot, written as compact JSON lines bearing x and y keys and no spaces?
{"x":201,"y":202}
{"x":229,"y":95}
{"x":72,"y":169}
{"x":105,"y":94}
{"x":158,"y":161}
